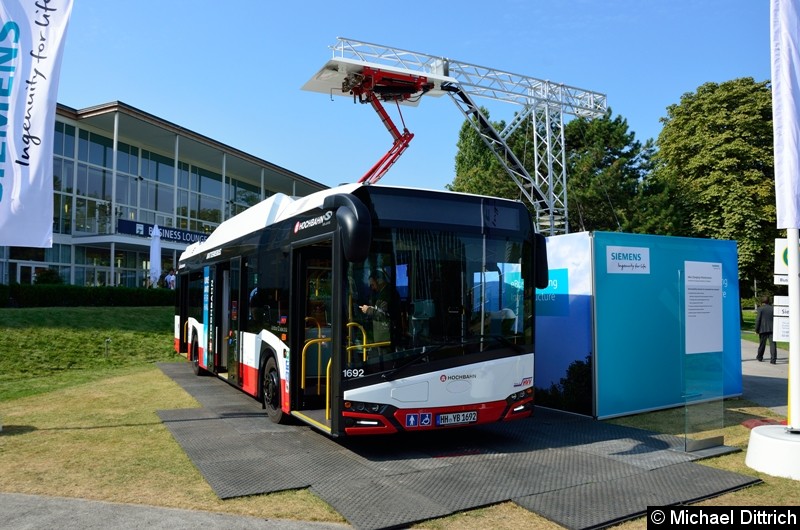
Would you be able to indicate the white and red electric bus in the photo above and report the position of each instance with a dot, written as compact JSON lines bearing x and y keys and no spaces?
{"x":272,"y":303}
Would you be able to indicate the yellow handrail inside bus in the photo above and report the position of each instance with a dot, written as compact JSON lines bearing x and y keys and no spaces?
{"x":351,"y":346}
{"x":186,"y":335}
{"x":308,"y":343}
{"x":328,"y":391}
{"x":364,"y":344}
{"x":316,"y":323}
{"x":319,"y":333}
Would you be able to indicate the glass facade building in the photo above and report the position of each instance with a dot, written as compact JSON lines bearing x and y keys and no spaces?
{"x":117,"y":172}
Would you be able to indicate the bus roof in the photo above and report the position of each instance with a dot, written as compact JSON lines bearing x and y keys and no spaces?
{"x":279,"y":207}
{"x":269,"y":211}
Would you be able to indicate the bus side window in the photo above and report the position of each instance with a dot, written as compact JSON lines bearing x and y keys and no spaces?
{"x":259,"y":310}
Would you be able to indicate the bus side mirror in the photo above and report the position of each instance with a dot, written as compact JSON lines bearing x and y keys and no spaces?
{"x":541,"y":270}
{"x":355,"y":225}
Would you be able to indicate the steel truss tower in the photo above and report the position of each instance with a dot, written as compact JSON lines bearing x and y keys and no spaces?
{"x":543,"y":104}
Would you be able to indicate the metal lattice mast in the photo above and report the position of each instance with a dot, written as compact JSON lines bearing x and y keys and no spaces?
{"x":543,"y":103}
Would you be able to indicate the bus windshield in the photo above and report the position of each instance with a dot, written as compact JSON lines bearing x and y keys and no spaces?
{"x":424,"y":296}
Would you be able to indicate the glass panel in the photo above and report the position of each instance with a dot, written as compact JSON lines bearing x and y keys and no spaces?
{"x":158,"y":168}
{"x":127,"y":158}
{"x":210,"y":209}
{"x":183,"y":174}
{"x":183,"y":203}
{"x":164,"y":198}
{"x":58,"y":140}
{"x":68,"y":175}
{"x":80,"y":276}
{"x":83,"y":145}
{"x":147,"y":195}
{"x":166,"y":171}
{"x":210,"y":183}
{"x":704,"y":408}
{"x":147,"y":216}
{"x":57,"y":221}
{"x":58,"y":168}
{"x":99,"y":184}
{"x":702,"y":369}
{"x":81,"y":216}
{"x":194,"y":205}
{"x":247,"y":194}
{"x":51,"y":254}
{"x":82,"y":182}
{"x":26,"y":254}
{"x":123,"y":189}
{"x":69,"y":141}
{"x":97,"y":256}
{"x":123,"y":159}
{"x":100,"y":152}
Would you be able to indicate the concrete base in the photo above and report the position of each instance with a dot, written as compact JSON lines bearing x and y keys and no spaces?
{"x":774,"y":451}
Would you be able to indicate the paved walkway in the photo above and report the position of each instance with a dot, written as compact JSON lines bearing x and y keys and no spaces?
{"x":765,"y":383}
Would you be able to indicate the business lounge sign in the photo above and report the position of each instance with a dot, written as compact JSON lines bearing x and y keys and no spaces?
{"x":167,"y":234}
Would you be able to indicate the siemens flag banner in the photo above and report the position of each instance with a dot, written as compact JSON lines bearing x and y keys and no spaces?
{"x":32,"y":35}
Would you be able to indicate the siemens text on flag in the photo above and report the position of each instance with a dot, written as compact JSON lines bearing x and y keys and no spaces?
{"x":785,"y":41}
{"x":32,"y":36}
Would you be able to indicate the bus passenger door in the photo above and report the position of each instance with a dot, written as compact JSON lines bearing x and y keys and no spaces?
{"x":230,"y":357}
{"x":313,"y":320}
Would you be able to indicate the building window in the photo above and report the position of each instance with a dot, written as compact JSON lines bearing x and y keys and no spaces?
{"x":241,"y":196}
{"x":64,"y":141}
{"x":204,"y":198}
{"x":95,"y":149}
{"x":157,"y":188}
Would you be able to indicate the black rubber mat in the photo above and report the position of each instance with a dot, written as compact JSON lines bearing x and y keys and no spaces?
{"x":575,"y":471}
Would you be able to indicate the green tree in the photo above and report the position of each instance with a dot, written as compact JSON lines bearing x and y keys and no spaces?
{"x":714,"y":171}
{"x":477,"y":169}
{"x":605,"y":167}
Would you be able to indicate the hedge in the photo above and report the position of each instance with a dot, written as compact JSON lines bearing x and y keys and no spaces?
{"x":19,"y":295}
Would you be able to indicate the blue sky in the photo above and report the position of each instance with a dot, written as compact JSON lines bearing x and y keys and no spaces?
{"x":233,"y":70}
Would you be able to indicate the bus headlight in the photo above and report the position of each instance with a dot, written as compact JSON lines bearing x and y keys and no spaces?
{"x":361,"y":406}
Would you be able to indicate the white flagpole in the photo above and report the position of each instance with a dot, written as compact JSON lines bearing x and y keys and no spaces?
{"x":793,"y":240}
{"x":785,"y":54}
{"x":775,"y":449}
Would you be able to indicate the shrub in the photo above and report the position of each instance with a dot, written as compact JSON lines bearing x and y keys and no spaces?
{"x":55,"y":295}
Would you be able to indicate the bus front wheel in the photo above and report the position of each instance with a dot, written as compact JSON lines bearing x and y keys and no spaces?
{"x":194,"y":355}
{"x":272,"y":391}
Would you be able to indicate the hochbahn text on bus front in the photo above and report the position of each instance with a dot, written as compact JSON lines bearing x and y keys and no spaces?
{"x":368,"y":309}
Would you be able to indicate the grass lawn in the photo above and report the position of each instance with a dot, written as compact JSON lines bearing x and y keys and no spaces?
{"x":79,"y":391}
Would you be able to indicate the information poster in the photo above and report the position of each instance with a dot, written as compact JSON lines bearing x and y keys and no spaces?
{"x":703,"y":306}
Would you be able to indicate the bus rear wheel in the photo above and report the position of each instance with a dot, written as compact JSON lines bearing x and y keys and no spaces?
{"x":271,"y":384}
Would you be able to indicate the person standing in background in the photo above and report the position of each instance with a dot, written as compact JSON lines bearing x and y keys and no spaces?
{"x":764,"y":315}
{"x":169,"y":279}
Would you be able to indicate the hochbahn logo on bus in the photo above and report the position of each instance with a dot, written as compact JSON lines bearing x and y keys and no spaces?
{"x":314,"y":221}
{"x":456,"y":377}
